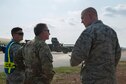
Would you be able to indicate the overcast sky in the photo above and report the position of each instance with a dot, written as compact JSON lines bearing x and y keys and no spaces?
{"x":61,"y":16}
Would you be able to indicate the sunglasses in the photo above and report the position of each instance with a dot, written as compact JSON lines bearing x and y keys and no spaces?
{"x":46,"y":30}
{"x":20,"y":33}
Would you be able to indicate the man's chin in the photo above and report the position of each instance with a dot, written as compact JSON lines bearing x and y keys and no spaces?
{"x":21,"y":39}
{"x":47,"y":38}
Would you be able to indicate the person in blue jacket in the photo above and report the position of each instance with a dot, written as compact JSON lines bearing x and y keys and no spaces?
{"x":13,"y":76}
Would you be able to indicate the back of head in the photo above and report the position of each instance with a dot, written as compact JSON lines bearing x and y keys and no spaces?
{"x":39,"y":28}
{"x":91,"y":11}
{"x":88,"y":16}
{"x":15,"y":30}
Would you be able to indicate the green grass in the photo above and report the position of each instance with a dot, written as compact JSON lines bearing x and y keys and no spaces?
{"x":58,"y":70}
{"x":2,"y":78}
{"x":66,"y":70}
{"x":122,"y":65}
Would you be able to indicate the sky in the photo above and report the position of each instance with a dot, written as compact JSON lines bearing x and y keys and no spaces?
{"x":63,"y":17}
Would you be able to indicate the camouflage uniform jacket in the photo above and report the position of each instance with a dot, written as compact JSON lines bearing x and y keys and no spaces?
{"x":37,"y":59}
{"x":100,"y":51}
{"x":14,"y":48}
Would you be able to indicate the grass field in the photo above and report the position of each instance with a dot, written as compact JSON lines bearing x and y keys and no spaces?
{"x":70,"y":75}
{"x":2,"y":78}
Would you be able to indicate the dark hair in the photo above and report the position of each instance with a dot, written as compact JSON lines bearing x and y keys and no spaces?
{"x":39,"y":28}
{"x":15,"y":29}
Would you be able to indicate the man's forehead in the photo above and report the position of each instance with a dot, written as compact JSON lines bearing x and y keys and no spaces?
{"x":83,"y":14}
{"x":19,"y":31}
{"x":46,"y":28}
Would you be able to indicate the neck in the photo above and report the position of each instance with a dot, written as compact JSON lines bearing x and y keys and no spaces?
{"x":16,"y":40}
{"x":40,"y":38}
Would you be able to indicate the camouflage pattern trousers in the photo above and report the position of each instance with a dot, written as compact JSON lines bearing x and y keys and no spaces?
{"x":17,"y":77}
{"x":102,"y":81}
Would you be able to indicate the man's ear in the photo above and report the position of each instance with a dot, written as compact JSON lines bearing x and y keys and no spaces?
{"x":90,"y":16}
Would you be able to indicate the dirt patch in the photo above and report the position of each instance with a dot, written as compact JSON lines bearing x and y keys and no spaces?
{"x":73,"y":78}
{"x":121,"y":73}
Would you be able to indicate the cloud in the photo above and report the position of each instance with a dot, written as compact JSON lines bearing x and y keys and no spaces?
{"x":74,"y":17}
{"x":119,"y":10}
{"x":60,"y":1}
{"x":64,"y":1}
{"x":66,"y":28}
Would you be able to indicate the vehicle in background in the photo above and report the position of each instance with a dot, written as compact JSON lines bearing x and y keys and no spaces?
{"x":58,"y":47}
{"x":55,"y":46}
{"x":3,"y":43}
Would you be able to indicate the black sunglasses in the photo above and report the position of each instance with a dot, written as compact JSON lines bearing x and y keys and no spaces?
{"x":20,"y":33}
{"x":46,"y":30}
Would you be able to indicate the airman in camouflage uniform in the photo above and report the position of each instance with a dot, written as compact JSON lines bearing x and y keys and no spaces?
{"x":97,"y":49}
{"x":13,"y":75}
{"x":37,"y":58}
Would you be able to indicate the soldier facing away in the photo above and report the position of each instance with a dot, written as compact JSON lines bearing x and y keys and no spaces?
{"x":37,"y":58}
{"x":97,"y":49}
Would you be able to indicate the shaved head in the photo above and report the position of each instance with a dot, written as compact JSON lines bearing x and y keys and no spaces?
{"x":90,"y":11}
{"x":88,"y":16}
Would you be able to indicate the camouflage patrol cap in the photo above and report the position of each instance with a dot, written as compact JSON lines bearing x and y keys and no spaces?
{"x":39,"y":28}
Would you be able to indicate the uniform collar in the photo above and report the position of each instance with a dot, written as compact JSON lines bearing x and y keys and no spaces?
{"x":15,"y":41}
{"x":95,"y":22}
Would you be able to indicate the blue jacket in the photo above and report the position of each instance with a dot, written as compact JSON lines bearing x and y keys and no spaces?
{"x":9,"y":65}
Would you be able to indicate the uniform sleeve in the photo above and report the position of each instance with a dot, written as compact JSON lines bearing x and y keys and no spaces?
{"x":117,"y":53}
{"x":14,"y":48}
{"x":18,"y":60}
{"x":81,"y":49}
{"x":46,"y":62}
